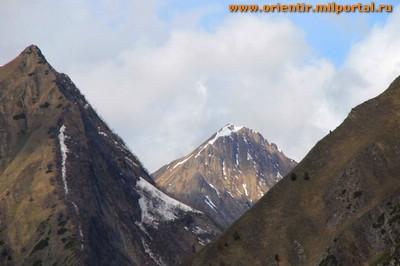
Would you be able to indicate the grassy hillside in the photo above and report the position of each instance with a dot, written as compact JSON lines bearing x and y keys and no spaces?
{"x":314,"y":215}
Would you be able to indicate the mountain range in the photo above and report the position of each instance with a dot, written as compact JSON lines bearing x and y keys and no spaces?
{"x":72,"y":193}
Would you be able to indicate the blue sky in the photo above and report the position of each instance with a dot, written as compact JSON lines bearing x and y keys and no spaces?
{"x":330,"y":35}
{"x":167,"y":74}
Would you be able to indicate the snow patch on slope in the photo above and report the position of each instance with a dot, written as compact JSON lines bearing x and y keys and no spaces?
{"x":211,"y":204}
{"x":230,"y":194}
{"x":213,"y":187}
{"x":226,"y":131}
{"x":132,"y":163}
{"x":245,"y":189}
{"x":76,"y":208}
{"x":223,"y":169}
{"x":181,"y":162}
{"x":278,"y":177}
{"x":64,"y":150}
{"x":156,"y":206}
{"x":142,"y":228}
{"x":148,"y":251}
{"x":198,"y":230}
{"x":249,"y":157}
{"x":103,"y":133}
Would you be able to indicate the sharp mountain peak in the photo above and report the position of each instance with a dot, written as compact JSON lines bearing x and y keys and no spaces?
{"x":230,"y":129}
{"x":32,"y":55}
{"x":226,"y":174}
{"x":71,"y":192}
{"x":32,"y":50}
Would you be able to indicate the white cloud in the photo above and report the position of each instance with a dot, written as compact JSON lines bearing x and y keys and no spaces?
{"x":370,"y":66}
{"x":165,"y":88}
{"x":166,"y":99}
{"x":376,"y":59}
{"x":75,"y":33}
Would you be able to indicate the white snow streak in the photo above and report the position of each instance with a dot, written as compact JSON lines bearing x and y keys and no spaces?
{"x":64,"y":150}
{"x":76,"y":208}
{"x":198,"y":154}
{"x":140,"y":225}
{"x":211,"y":204}
{"x":213,"y":187}
{"x":198,"y":230}
{"x":148,"y":251}
{"x":223,"y":169}
{"x":103,"y":133}
{"x":130,"y":161}
{"x":182,"y":162}
{"x":245,"y":189}
{"x":249,"y":156}
{"x":278,"y":176}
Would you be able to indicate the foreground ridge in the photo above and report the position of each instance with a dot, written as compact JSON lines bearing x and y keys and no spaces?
{"x":71,"y":192}
{"x":338,"y":206}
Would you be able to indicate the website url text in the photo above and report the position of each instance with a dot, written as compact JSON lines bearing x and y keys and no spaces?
{"x":309,"y":8}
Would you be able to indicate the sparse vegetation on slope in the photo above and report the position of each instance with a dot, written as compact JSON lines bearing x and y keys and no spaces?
{"x":344,"y":210}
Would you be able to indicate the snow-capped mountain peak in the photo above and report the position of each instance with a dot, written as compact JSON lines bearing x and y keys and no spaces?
{"x":225,"y":132}
{"x":225,"y":175}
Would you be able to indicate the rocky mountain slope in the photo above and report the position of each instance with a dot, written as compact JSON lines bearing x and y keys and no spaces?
{"x":71,"y":193}
{"x":225,"y":175}
{"x":339,"y":206}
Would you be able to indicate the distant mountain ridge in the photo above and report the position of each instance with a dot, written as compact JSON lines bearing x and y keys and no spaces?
{"x":226,"y":174}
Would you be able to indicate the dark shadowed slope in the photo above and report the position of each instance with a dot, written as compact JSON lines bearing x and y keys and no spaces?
{"x":339,"y":206}
{"x":71,"y":193}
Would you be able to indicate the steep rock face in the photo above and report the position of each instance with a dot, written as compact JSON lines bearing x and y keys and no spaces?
{"x":227,"y":174}
{"x":339,"y":206}
{"x":71,"y":193}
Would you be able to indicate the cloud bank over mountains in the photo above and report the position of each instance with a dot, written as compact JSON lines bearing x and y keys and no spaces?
{"x":165,"y":86}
